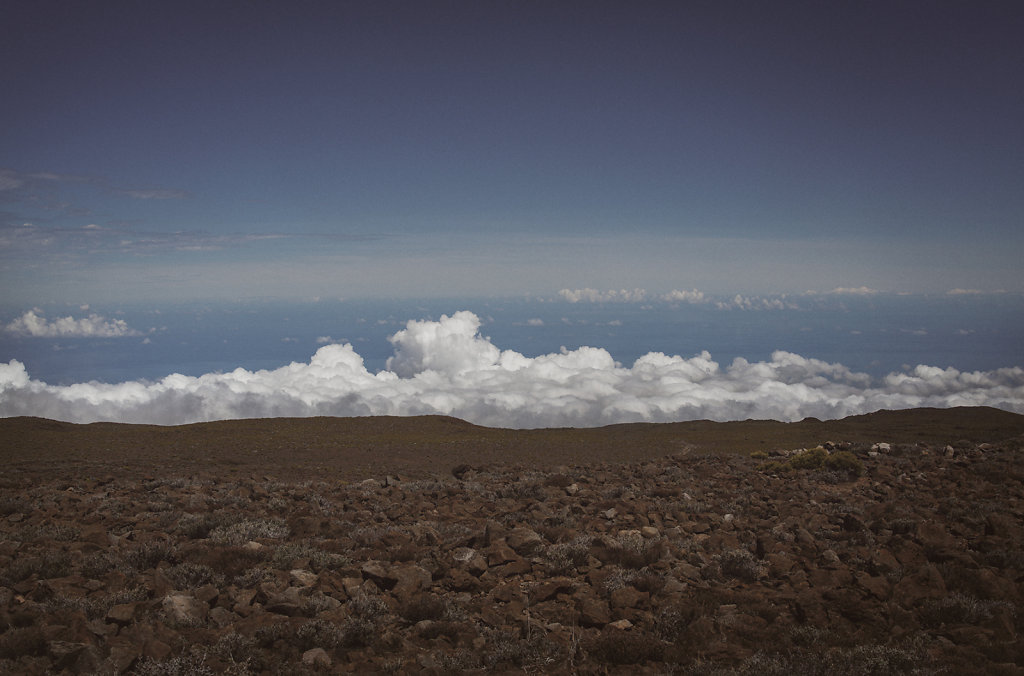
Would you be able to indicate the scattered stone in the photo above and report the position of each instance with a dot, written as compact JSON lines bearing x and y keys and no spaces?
{"x":598,"y":569}
{"x":302,"y":578}
{"x":316,"y":657}
{"x":184,"y":610}
{"x":121,"y":613}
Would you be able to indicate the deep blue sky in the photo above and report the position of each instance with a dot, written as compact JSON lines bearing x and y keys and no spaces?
{"x":171,"y":151}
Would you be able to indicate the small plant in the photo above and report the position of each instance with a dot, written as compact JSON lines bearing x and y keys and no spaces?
{"x":462,"y":660}
{"x":318,"y":633}
{"x":94,"y":607}
{"x":959,"y":609}
{"x":319,"y":559}
{"x":506,"y":647}
{"x":844,"y":461}
{"x":812,"y":458}
{"x":759,"y":455}
{"x":564,"y":557}
{"x":192,"y":575}
{"x":267,"y":635}
{"x":240,"y":652}
{"x":367,"y":606}
{"x":632,"y":550}
{"x":190,"y":664}
{"x":250,"y":529}
{"x":740,"y":564}
{"x":774,"y":467}
{"x":149,"y":554}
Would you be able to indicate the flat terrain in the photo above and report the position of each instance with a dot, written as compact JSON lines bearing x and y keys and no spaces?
{"x":353,"y":448}
{"x":895,"y":544}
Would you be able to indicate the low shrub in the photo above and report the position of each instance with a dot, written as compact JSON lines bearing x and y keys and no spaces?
{"x":318,"y":633}
{"x":812,"y":458}
{"x":189,"y":664}
{"x":564,"y":557}
{"x":250,"y":529}
{"x":959,"y":609}
{"x":844,"y":461}
{"x":774,"y":467}
{"x":240,"y":652}
{"x":739,"y":564}
{"x":319,"y":559}
{"x":192,"y":575}
{"x":632,"y":551}
{"x":148,"y":555}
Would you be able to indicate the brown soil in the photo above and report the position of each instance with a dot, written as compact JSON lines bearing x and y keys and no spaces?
{"x":428,"y":545}
{"x":354,"y":448}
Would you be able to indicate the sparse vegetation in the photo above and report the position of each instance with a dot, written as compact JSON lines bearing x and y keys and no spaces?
{"x":844,"y":461}
{"x":740,"y":564}
{"x":812,"y":458}
{"x":688,"y":564}
{"x":248,"y":530}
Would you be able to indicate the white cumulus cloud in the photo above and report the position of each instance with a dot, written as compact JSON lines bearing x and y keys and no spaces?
{"x":447,"y":367}
{"x":35,"y":325}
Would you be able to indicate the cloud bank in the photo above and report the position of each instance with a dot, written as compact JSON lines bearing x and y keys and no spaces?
{"x":692,"y":297}
{"x":35,"y":325}
{"x":589,"y":295}
{"x":447,"y":367}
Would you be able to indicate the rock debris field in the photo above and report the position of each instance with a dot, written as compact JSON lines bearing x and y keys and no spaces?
{"x":848,"y":555}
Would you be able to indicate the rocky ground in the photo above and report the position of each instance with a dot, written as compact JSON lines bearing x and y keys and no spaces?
{"x":854,"y":557}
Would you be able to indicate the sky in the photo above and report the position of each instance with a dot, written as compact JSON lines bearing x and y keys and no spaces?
{"x":187,"y":151}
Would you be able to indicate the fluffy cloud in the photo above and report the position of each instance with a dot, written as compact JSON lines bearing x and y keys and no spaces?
{"x":34,"y":324}
{"x":447,"y":367}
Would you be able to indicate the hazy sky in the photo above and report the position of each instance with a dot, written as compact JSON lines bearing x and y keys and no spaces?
{"x":177,"y":150}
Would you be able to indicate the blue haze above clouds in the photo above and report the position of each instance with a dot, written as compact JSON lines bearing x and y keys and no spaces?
{"x":193,"y":187}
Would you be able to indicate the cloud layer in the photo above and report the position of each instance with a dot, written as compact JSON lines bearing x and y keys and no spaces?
{"x":447,"y":367}
{"x":35,"y":325}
